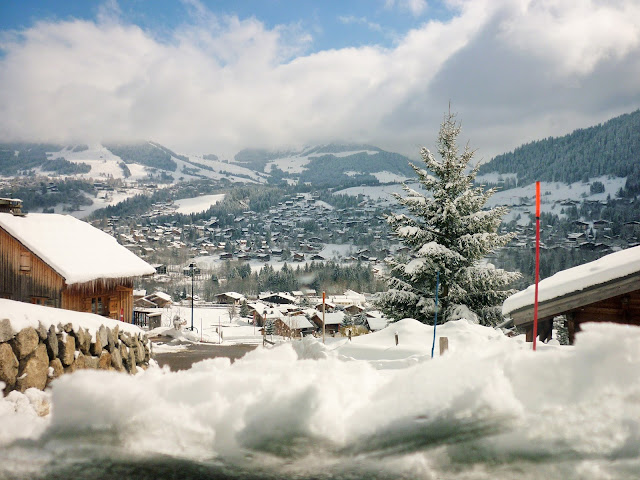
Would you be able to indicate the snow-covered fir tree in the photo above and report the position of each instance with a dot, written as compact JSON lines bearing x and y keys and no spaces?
{"x":449,"y":231}
{"x":270,"y":327}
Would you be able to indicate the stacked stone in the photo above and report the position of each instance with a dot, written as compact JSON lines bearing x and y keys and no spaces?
{"x":36,"y":356}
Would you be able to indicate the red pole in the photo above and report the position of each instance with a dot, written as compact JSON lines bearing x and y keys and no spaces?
{"x":535,"y":301}
{"x":323,"y":307}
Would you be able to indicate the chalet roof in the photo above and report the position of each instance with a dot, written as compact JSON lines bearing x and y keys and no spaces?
{"x":234,"y":295}
{"x":76,"y":250}
{"x":618,"y":265}
{"x":297,"y":322}
{"x":333,"y":318}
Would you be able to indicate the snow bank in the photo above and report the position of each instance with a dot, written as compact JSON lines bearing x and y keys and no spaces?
{"x":489,"y":403}
{"x":22,"y":315}
{"x":610,"y":267}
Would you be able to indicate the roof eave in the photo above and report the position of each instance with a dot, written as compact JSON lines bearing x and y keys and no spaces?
{"x":574,"y":300}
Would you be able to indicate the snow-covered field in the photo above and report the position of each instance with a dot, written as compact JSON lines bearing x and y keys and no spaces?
{"x":490,"y":408}
{"x":187,"y":206}
{"x":382,"y":193}
{"x":296,"y":162}
{"x":552,"y":194}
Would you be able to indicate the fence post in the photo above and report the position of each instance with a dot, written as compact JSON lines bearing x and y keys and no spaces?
{"x":444,"y":345}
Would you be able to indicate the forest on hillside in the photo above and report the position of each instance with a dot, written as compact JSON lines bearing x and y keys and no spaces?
{"x":145,"y":153}
{"x":611,"y":148}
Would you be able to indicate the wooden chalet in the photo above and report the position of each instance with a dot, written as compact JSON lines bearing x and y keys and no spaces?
{"x":606,"y":290}
{"x":293,"y":325}
{"x":279,"y":298}
{"x":332,"y":321}
{"x":63,"y":262}
{"x":230,"y":298}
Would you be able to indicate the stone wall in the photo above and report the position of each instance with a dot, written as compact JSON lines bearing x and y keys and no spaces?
{"x":35,"y":356}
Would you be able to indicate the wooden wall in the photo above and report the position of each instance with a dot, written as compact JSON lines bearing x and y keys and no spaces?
{"x":114,"y":299}
{"x":40,"y":280}
{"x":624,"y":309}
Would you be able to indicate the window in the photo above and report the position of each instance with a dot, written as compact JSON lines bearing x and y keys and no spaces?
{"x":25,"y":262}
{"x":97,"y":306}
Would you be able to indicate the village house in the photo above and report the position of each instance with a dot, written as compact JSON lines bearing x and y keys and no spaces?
{"x":605,"y":290}
{"x":332,"y":321}
{"x":63,"y":262}
{"x":293,"y":325}
{"x":230,"y":298}
{"x":279,"y":298}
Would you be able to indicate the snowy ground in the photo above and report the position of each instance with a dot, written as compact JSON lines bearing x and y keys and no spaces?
{"x":188,"y":206}
{"x":490,"y":408}
{"x":552,"y":194}
{"x":207,"y":322}
{"x":381,"y":193}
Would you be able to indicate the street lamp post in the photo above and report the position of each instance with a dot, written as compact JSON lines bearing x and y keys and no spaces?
{"x":191,"y":268}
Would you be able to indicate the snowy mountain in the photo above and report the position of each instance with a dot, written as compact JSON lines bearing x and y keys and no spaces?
{"x":347,"y":164}
{"x":150,"y":161}
{"x":142,"y":161}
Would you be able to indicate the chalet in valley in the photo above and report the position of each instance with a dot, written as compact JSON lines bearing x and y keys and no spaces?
{"x":606,"y":290}
{"x":63,"y":262}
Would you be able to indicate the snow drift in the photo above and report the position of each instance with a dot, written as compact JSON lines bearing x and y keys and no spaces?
{"x":489,"y":408}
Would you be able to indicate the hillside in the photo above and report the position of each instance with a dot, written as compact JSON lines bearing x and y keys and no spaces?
{"x":348,"y":164}
{"x":611,"y":148}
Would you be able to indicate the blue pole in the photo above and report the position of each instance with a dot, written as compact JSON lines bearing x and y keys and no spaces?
{"x":435,"y":322}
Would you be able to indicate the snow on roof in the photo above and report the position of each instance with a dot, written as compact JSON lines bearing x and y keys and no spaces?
{"x":331,"y":318}
{"x":376,"y":323}
{"x":258,"y":306}
{"x":234,"y":295}
{"x":22,"y":315}
{"x":76,"y":250}
{"x":610,"y":267}
{"x":297,"y":322}
{"x":278,"y":294}
{"x":164,"y":296}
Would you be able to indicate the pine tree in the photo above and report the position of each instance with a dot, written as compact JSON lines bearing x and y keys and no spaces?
{"x":347,"y":321}
{"x":244,"y":309}
{"x":450,"y":232}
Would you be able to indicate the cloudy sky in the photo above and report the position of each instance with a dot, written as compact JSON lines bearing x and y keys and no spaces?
{"x":217,"y":76}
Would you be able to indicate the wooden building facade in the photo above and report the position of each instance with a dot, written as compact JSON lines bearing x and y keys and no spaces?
{"x":616,"y":301}
{"x":26,"y":276}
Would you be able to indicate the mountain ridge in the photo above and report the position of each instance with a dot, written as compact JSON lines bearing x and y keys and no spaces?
{"x":609,"y":148}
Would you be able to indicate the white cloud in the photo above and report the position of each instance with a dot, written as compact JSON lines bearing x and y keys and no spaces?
{"x":351,"y":19}
{"x":574,"y":35}
{"x":514,"y":70}
{"x":415,"y":7}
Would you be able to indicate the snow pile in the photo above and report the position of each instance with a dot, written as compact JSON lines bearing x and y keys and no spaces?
{"x":415,"y":340}
{"x":76,"y":250}
{"x":23,"y":415}
{"x":489,"y":403}
{"x":610,"y":267}
{"x":179,"y":336}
